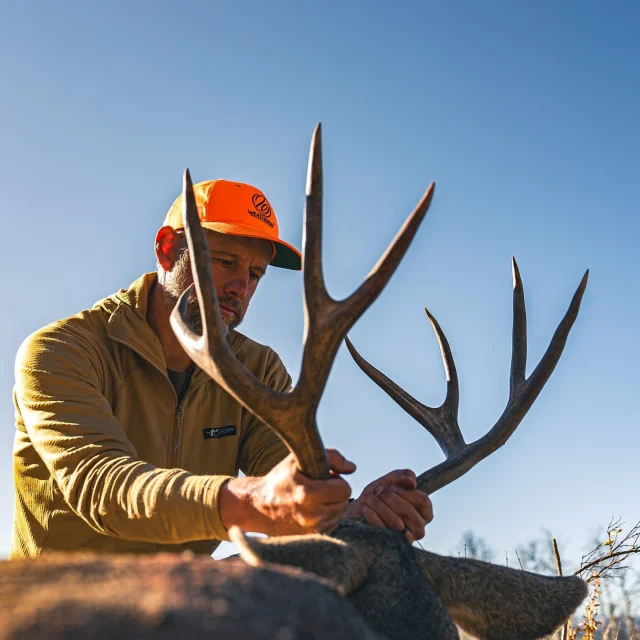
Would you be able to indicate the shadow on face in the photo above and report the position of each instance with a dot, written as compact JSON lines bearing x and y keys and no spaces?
{"x":237,"y":263}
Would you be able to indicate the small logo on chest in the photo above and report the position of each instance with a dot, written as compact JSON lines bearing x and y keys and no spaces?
{"x":219,"y":432}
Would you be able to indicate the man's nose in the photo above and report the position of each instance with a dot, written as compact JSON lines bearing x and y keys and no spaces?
{"x":238,"y":287}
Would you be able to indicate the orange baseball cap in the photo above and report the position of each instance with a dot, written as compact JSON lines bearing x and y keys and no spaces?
{"x":239,"y":210}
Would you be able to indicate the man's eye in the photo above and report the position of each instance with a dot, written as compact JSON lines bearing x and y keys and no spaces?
{"x":255,"y":276}
{"x":225,"y":263}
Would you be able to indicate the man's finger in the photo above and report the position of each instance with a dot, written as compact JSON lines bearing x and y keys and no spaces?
{"x":420,"y":501}
{"x":330,"y":491}
{"x":338,"y":463}
{"x":406,"y":512}
{"x":402,"y":478}
{"x":391,"y":519}
{"x":372,"y":517}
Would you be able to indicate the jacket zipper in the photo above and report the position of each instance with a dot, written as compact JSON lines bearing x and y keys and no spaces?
{"x":176,"y":436}
{"x":176,"y":432}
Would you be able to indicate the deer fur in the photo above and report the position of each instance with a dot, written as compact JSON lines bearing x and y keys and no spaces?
{"x":109,"y":597}
{"x":360,"y":583}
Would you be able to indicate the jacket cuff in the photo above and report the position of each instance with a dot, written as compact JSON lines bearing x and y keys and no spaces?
{"x":211,"y":507}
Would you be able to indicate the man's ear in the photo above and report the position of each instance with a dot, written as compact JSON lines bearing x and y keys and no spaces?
{"x":166,"y":247}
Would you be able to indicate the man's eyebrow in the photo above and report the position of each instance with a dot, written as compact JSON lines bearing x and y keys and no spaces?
{"x":230,"y":254}
{"x":223,"y":252}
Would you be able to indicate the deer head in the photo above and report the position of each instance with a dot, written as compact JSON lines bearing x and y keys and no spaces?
{"x":375,"y":568}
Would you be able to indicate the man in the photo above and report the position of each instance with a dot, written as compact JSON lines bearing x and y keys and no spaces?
{"x":123,"y":445}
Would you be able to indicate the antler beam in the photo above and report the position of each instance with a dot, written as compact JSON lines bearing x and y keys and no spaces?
{"x":442,"y":422}
{"x":291,"y":415}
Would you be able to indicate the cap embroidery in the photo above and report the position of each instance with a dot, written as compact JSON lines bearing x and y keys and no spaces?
{"x":261,"y":205}
{"x":263,"y":209}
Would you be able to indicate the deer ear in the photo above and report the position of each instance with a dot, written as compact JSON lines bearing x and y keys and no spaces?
{"x":490,"y":601}
{"x":344,"y":566}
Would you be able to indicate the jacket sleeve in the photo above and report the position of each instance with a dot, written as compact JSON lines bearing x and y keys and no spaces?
{"x":261,"y":447}
{"x":72,"y":427}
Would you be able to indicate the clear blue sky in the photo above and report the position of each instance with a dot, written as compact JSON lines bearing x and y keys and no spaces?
{"x":526,"y":116}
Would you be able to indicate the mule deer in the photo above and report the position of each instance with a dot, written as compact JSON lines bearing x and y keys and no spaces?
{"x":360,"y":582}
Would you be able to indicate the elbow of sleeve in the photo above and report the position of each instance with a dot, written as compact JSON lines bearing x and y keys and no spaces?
{"x":136,"y":501}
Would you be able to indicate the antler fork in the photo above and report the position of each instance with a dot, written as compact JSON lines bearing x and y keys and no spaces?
{"x":442,"y":422}
{"x":291,"y":415}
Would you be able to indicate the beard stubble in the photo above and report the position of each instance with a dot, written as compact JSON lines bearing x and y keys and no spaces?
{"x":177,"y":280}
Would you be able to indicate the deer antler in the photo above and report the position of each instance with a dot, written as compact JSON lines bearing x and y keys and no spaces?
{"x":442,"y":422}
{"x":291,"y":415}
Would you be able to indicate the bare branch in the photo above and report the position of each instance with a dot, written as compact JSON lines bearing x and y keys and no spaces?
{"x":606,"y":559}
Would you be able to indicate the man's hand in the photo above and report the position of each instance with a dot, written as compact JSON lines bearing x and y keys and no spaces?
{"x":285,"y":501}
{"x":393,"y":502}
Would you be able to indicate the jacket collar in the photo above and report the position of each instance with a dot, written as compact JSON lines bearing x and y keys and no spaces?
{"x":128,"y":324}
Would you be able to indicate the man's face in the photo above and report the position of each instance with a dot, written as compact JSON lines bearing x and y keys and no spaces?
{"x":237,"y":265}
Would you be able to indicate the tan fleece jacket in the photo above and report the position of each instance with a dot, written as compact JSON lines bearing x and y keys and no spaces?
{"x":105,"y":459}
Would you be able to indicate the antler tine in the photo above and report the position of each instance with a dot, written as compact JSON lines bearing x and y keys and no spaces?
{"x":519,"y":334}
{"x":442,"y":422}
{"x":452,"y":399}
{"x":548,"y":362}
{"x":312,"y":232}
{"x":327,"y":320}
{"x":378,"y":277}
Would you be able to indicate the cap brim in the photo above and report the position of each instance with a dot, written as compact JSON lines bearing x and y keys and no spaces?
{"x":287,"y":257}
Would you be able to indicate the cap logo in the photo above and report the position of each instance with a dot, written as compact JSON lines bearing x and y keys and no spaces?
{"x":262,"y":209}
{"x":261,"y":205}
{"x":219,"y":432}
